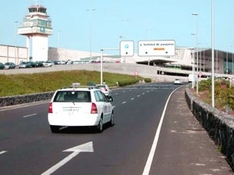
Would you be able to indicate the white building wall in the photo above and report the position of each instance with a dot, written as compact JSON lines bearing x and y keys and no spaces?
{"x":13,"y":54}
{"x":184,"y":57}
{"x":39,"y":48}
{"x":68,"y":54}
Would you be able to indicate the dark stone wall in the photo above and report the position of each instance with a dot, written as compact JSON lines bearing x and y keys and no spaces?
{"x":21,"y":99}
{"x":218,"y":124}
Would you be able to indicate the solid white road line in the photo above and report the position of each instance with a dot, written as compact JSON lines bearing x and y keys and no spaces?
{"x":155,"y":142}
{"x":25,"y":105}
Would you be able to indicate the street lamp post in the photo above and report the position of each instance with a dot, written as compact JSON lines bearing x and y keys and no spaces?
{"x":59,"y":31}
{"x":149,"y":37}
{"x":212,"y":52}
{"x":193,"y":68}
{"x":193,"y":82}
{"x":196,"y":14}
{"x":232,"y":61}
{"x":125,"y":34}
{"x":90,"y":32}
{"x":125,"y":27}
{"x":101,"y":78}
{"x":200,"y":57}
{"x":16,"y":55}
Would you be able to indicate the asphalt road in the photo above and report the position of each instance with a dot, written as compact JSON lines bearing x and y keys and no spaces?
{"x":27,"y":147}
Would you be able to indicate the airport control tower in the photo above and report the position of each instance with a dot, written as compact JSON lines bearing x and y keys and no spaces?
{"x":36,"y":26}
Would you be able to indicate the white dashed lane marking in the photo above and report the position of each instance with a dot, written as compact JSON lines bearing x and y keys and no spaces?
{"x":30,"y":115}
{"x":2,"y":152}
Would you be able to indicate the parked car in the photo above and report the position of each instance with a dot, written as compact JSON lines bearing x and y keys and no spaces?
{"x":87,"y":107}
{"x":69,"y":62}
{"x":56,"y":62}
{"x":62,"y":62}
{"x":48,"y":63}
{"x":178,"y":81}
{"x":105,"y":89}
{"x":10,"y":65}
{"x":37,"y":63}
{"x":2,"y":66}
{"x":25,"y":64}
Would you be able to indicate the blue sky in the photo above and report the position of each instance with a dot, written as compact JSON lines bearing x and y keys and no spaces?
{"x":115,"y":20}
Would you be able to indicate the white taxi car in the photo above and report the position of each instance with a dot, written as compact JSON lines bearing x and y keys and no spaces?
{"x":105,"y":89}
{"x":80,"y":107}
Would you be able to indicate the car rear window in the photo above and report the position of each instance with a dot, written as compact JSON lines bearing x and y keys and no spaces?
{"x":72,"y":96}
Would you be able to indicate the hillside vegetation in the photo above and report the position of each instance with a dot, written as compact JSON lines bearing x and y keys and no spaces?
{"x":45,"y":82}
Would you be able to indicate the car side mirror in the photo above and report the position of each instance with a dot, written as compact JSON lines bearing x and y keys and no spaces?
{"x":110,"y":98}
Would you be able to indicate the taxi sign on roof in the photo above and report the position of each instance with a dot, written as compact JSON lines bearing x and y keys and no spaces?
{"x":75,"y":85}
{"x":156,"y":48}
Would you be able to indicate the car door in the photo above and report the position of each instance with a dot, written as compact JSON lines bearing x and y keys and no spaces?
{"x":104,"y":105}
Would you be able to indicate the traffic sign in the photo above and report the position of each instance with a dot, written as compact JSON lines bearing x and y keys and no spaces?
{"x":156,"y":48}
{"x":127,"y":48}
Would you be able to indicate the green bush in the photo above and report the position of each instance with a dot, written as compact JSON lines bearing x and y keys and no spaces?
{"x":224,"y":96}
{"x":127,"y":82}
{"x":205,"y":85}
{"x":147,"y":80}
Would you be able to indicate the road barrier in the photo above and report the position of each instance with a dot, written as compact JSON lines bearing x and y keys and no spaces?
{"x":22,"y":99}
{"x":218,"y":124}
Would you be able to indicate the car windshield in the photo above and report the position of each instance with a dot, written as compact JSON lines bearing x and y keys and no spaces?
{"x":72,"y":96}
